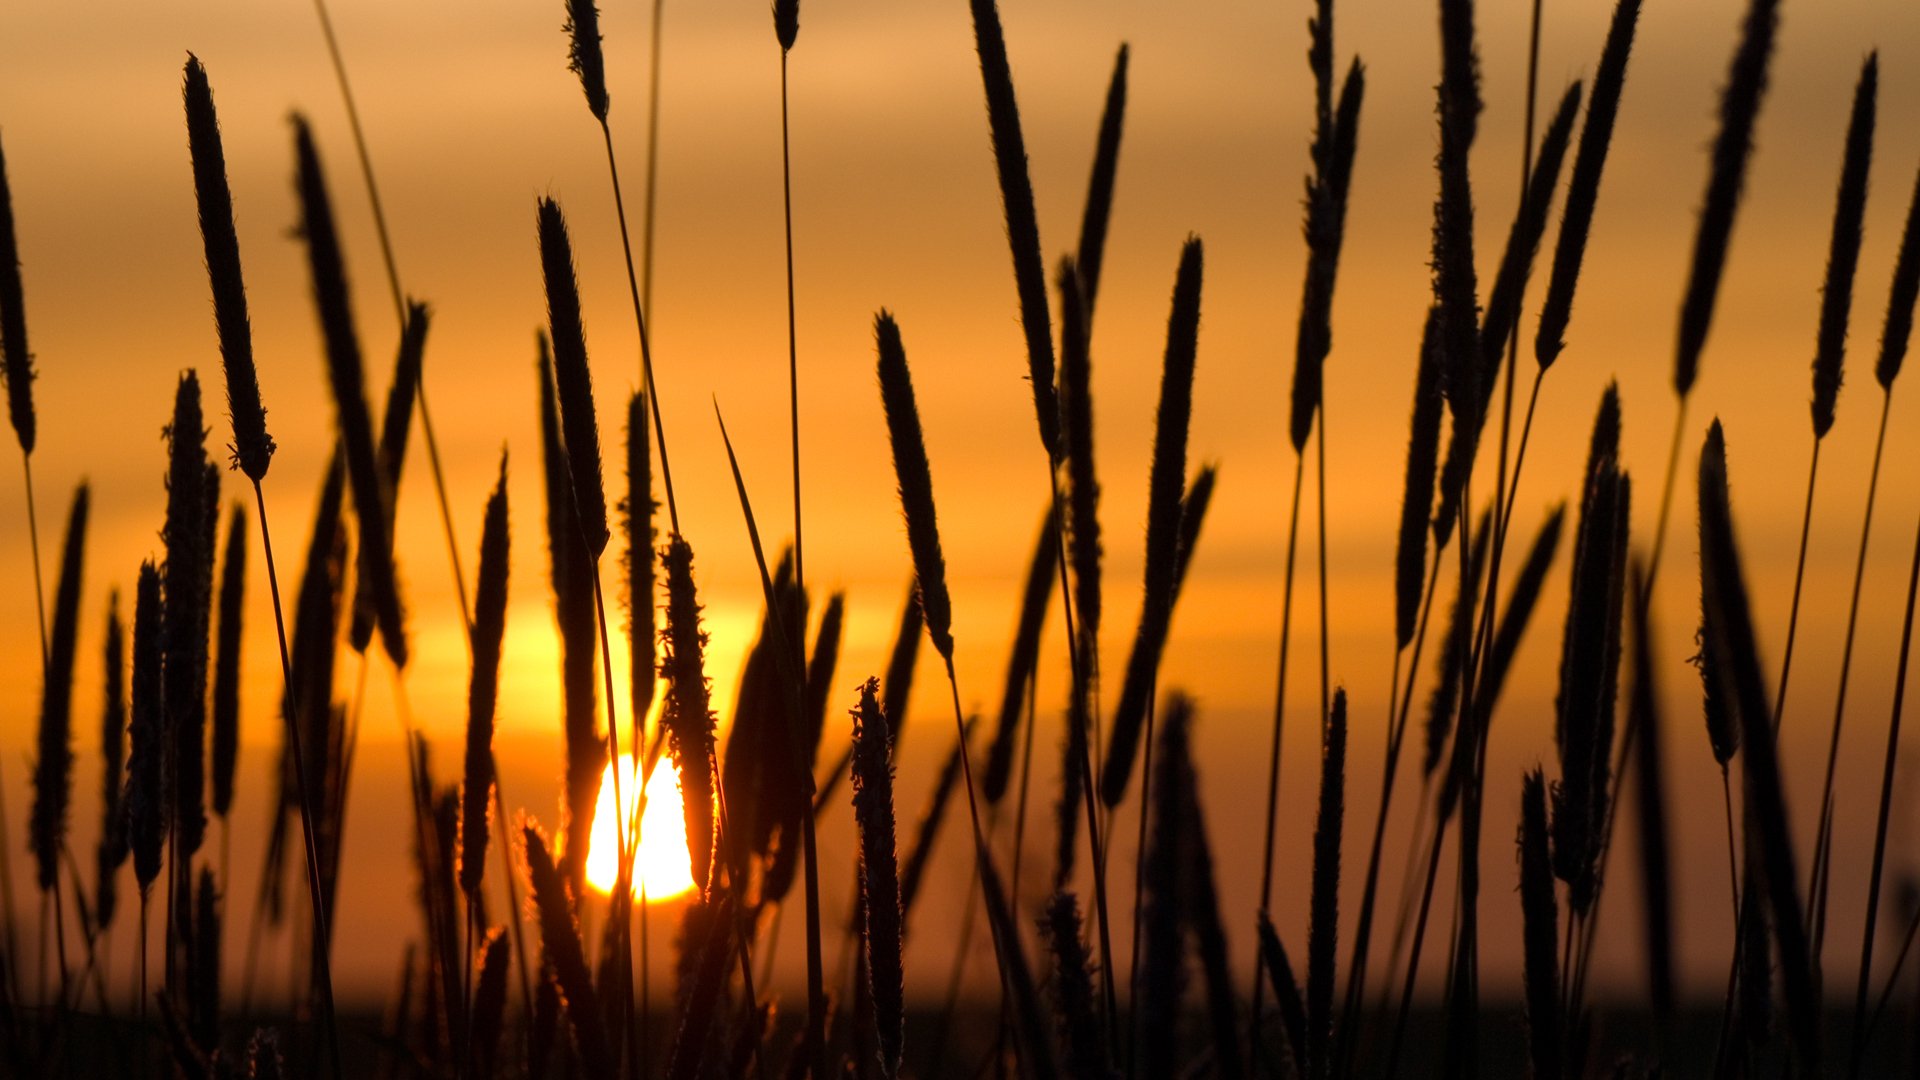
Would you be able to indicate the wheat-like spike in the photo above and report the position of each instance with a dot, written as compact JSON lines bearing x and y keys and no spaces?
{"x":639,"y":508}
{"x":1076,"y":1008}
{"x":578,"y":425}
{"x":560,"y":943}
{"x":1193,"y":514}
{"x":309,"y":703}
{"x":489,"y":1003}
{"x":583,"y":54}
{"x":396,"y":423}
{"x":689,"y":710}
{"x":226,"y":667}
{"x":1166,"y":482}
{"x":1023,"y":227}
{"x":786,"y":23}
{"x":1739,"y":110}
{"x":1455,"y":284}
{"x":571,"y":568}
{"x":1161,"y":975}
{"x":1540,"y":930}
{"x":1843,"y":253}
{"x":189,"y":585}
{"x":915,"y":481}
{"x":16,"y":362}
{"x":1423,"y":453}
{"x":348,"y":383}
{"x":819,"y":688}
{"x":146,"y":794}
{"x":1022,"y":662}
{"x":1523,"y":243}
{"x":1323,"y":928}
{"x":1076,"y":427}
{"x":1583,"y":187}
{"x":112,"y":850}
{"x":1099,"y":208}
{"x":1335,"y":139}
{"x":252,"y":447}
{"x":1589,"y":661}
{"x":879,"y":872}
{"x":1737,"y":655}
{"x":483,"y":688}
{"x":203,"y":970}
{"x":1901,"y":296}
{"x":759,"y":713}
{"x":53,"y":764}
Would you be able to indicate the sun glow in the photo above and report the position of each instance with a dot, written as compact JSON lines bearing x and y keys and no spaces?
{"x":662,"y":866}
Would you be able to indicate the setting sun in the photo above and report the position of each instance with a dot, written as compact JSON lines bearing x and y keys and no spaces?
{"x":662,"y":867}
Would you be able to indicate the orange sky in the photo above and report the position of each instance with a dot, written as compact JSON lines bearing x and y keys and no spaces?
{"x":471,"y":114}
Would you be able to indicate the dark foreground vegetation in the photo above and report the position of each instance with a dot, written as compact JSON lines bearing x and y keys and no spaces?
{"x":558,"y":984}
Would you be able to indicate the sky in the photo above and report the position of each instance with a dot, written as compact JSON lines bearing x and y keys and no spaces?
{"x":470,"y":115}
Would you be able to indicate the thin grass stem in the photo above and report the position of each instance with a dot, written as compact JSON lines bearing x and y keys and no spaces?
{"x":323,"y":965}
{"x":1799,"y":577}
{"x":1666,"y":500}
{"x":1279,"y":728}
{"x":639,"y":313}
{"x":1823,"y":842}
{"x":399,"y":302}
{"x":793,"y":347}
{"x":1892,"y":754}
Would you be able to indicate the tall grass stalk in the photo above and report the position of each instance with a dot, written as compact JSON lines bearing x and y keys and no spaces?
{"x":16,"y":365}
{"x":53,"y":760}
{"x":815,"y":1035}
{"x":1837,"y":301}
{"x":1656,"y":871}
{"x":1409,"y":567}
{"x":879,"y":872}
{"x":1322,"y":935}
{"x":1736,"y":651}
{"x":112,"y":848}
{"x":1540,"y":916}
{"x":483,"y":688}
{"x":1023,"y":239}
{"x":1335,"y":134}
{"x":1843,"y":256}
{"x":585,"y":59}
{"x":399,"y":304}
{"x":1732,"y":147}
{"x":923,"y":540}
{"x":1893,"y":347}
{"x":786,"y":26}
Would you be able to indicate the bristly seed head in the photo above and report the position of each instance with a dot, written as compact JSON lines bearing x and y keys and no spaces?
{"x":17,"y":361}
{"x":915,"y":479}
{"x":786,"y":22}
{"x":252,"y":447}
{"x":1843,"y":255}
{"x":583,"y":54}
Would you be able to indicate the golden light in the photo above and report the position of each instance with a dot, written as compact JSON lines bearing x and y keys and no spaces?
{"x":661,"y":866}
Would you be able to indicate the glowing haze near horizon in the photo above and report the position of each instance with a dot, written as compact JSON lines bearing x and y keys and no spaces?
{"x":471,"y":114}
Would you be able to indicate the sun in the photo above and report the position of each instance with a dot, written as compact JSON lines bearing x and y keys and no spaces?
{"x":662,"y":866}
